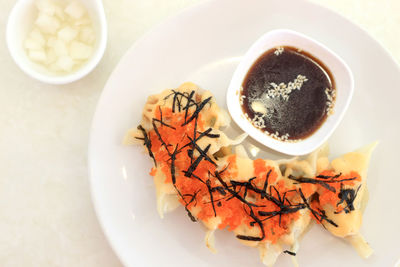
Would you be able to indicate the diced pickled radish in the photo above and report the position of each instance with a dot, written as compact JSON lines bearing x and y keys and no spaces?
{"x":60,"y":48}
{"x":37,"y":55}
{"x":37,"y":36}
{"x":46,"y":6}
{"x":65,"y":63}
{"x":62,"y":37}
{"x":87,"y":35}
{"x":67,"y":34}
{"x":51,"y":42}
{"x":83,"y":21}
{"x":47,"y":24}
{"x":75,"y":10}
{"x":54,"y":67}
{"x":78,"y":50}
{"x":32,"y":44}
{"x":59,"y":13}
{"x":51,"y":56}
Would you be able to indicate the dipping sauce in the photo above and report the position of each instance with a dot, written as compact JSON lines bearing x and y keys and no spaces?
{"x":287,"y":93}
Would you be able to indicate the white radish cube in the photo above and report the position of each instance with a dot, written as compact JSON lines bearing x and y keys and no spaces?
{"x":75,"y":10}
{"x":54,"y":67}
{"x":37,"y":55}
{"x":87,"y":35}
{"x":65,"y":63}
{"x":67,"y":34}
{"x":32,"y":44}
{"x":79,"y":50}
{"x":46,"y":6}
{"x":59,"y":13}
{"x":60,"y":48}
{"x":51,"y":42}
{"x":83,"y":21}
{"x":36,"y":35}
{"x":51,"y":56}
{"x":47,"y":24}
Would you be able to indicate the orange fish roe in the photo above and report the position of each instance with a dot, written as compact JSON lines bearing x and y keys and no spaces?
{"x":153,"y":171}
{"x":209,"y":189}
{"x":333,"y":195}
{"x":308,"y":189}
{"x":201,"y":189}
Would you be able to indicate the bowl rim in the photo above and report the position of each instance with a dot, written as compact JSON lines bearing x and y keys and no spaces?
{"x":54,"y":79}
{"x":303,"y":146}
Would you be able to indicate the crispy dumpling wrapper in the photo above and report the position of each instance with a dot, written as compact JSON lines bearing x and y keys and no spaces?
{"x":228,"y":155}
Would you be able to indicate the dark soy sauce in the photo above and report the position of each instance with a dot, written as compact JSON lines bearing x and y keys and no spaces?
{"x":288,"y":93}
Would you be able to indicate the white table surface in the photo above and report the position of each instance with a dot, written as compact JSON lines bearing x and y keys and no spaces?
{"x":46,"y":214}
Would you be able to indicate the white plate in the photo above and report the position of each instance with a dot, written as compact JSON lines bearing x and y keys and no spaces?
{"x":203,"y":45}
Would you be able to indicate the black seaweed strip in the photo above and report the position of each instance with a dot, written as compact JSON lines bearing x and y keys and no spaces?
{"x":181,"y":95}
{"x":206,"y":133}
{"x":315,"y":213}
{"x":220,"y":190}
{"x":329,"y":177}
{"x":195,"y":176}
{"x":178,"y":99}
{"x":206,"y":157}
{"x":189,"y":99}
{"x":160,"y":138}
{"x":197,"y":111}
{"x":164,"y":124}
{"x":233,"y":192}
{"x":280,"y":202}
{"x":277,"y":193}
{"x":305,"y":180}
{"x":194,"y":165}
{"x":192,"y":142}
{"x":147,"y":143}
{"x":197,"y":138}
{"x":190,"y":215}
{"x":290,"y":252}
{"x":223,"y":170}
{"x":190,"y":201}
{"x":161,"y":120}
{"x":259,"y":222}
{"x":324,"y":183}
{"x":266,"y":183}
{"x":284,"y":210}
{"x":308,"y":205}
{"x":193,"y":197}
{"x":173,"y":158}
{"x":257,"y":190}
{"x":343,"y":180}
{"x":348,"y":196}
{"x":210,"y":191}
{"x":324,"y":217}
{"x":173,"y":101}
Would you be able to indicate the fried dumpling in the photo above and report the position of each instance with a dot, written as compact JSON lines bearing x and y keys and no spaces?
{"x":267,"y":204}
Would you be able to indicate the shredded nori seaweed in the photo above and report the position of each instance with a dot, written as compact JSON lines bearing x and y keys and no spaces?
{"x":197,"y":111}
{"x":325,"y":183}
{"x":236,"y":189}
{"x":319,"y":215}
{"x":147,"y":143}
{"x":291,"y":253}
{"x":347,"y":195}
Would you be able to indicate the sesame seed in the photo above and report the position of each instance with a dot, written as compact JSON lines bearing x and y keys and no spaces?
{"x":279,"y":50}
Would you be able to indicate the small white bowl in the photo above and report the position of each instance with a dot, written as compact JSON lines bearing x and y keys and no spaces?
{"x":341,"y":73}
{"x":20,"y":23}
